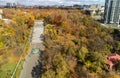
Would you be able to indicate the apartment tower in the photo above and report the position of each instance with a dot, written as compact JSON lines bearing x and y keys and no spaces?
{"x":112,"y":12}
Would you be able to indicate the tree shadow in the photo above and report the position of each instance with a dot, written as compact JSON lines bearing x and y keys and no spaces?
{"x":38,"y":69}
{"x":42,"y":38}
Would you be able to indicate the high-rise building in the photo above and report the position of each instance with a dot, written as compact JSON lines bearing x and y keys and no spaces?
{"x":10,"y":5}
{"x":112,"y":12}
{"x":1,"y":12}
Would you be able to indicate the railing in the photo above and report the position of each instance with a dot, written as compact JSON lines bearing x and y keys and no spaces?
{"x":23,"y":50}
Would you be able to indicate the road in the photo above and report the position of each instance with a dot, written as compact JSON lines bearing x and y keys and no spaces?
{"x":31,"y":60}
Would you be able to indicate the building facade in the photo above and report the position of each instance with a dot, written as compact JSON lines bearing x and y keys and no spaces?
{"x":112,"y":12}
{"x":10,"y":5}
{"x":1,"y":12}
{"x":94,"y":9}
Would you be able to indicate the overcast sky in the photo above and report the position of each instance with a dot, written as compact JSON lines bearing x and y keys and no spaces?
{"x":54,"y":2}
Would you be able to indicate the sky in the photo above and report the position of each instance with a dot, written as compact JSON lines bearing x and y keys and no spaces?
{"x":54,"y":2}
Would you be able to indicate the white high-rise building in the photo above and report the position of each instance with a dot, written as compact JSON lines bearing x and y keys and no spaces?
{"x":1,"y":12}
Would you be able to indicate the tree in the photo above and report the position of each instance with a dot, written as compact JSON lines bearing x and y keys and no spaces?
{"x":82,"y":54}
{"x":59,"y":70}
{"x":117,"y":66}
{"x":49,"y":74}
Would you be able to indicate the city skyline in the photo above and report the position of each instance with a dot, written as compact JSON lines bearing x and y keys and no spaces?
{"x":53,"y":2}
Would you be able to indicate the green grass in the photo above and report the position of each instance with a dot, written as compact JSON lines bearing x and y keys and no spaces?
{"x":6,"y":70}
{"x":17,"y":74}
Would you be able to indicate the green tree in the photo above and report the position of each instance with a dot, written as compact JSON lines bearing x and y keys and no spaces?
{"x":82,"y":54}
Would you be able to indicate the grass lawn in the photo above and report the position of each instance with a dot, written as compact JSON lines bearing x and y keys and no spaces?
{"x":6,"y":70}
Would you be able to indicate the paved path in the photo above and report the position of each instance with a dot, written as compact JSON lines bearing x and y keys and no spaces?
{"x":36,"y":42}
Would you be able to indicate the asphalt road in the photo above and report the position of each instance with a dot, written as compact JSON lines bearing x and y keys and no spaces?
{"x":31,"y":60}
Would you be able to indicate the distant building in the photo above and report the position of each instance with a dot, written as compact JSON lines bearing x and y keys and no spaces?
{"x":94,"y":9}
{"x":18,"y":5}
{"x":2,"y":6}
{"x":102,"y":9}
{"x":65,"y":7}
{"x":1,"y":12}
{"x":10,"y":5}
{"x":77,"y":6}
{"x":112,"y":12}
{"x":0,"y":16}
{"x":14,"y":5}
{"x":85,"y":7}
